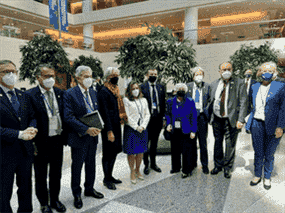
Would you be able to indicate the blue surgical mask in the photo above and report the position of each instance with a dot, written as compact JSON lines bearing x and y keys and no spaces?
{"x":267,"y":76}
{"x":247,"y":75}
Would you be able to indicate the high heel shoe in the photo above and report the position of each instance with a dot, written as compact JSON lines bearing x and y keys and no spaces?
{"x":134,"y":181}
{"x":140,"y":176}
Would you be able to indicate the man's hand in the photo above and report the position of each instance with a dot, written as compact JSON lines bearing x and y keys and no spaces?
{"x":239,"y":125}
{"x":169,"y":128}
{"x":111,"y":136}
{"x":92,"y":131}
{"x":29,"y":133}
{"x":140,"y":129}
{"x":278,"y":132}
{"x":192,"y":135}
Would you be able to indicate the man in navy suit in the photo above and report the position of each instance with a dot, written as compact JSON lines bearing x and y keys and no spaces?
{"x":155,"y":95}
{"x":48,"y":105}
{"x":83,"y":140}
{"x":17,"y":129}
{"x":266,"y":121}
{"x":200,"y":92}
{"x":248,"y":83}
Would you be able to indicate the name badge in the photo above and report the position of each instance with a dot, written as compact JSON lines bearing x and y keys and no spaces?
{"x":154,"y":105}
{"x":53,"y":123}
{"x":198,"y":105}
{"x":177,"y":124}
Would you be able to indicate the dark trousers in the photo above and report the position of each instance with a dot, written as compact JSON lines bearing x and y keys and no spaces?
{"x":264,"y":146}
{"x":86,"y":155}
{"x":21,"y":165}
{"x":202,"y":135}
{"x":154,"y":128}
{"x":223,"y":129}
{"x":182,"y":144}
{"x":108,"y":162}
{"x":50,"y":154}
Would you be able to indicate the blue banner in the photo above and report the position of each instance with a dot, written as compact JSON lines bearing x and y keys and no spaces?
{"x":54,"y":14}
{"x":63,"y":15}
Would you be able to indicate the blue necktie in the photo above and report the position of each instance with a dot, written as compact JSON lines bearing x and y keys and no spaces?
{"x":197,"y":96}
{"x":14,"y":100}
{"x":153,"y":94}
{"x":87,"y":102}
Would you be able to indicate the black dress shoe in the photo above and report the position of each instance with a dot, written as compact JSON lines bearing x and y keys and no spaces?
{"x":78,"y":202}
{"x":172,"y":171}
{"x":46,"y":209}
{"x":252,"y":183}
{"x":216,"y":170}
{"x":58,"y":206}
{"x":185,"y":175}
{"x":110,"y":185}
{"x":116,"y":181}
{"x":205,"y":170}
{"x":156,"y":168}
{"x":227,"y":173}
{"x":94,"y":194}
{"x":146,"y":170}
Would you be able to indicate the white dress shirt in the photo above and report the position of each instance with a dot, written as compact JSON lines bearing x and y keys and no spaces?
{"x":217,"y":101}
{"x":260,"y":102}
{"x":52,"y":132}
{"x":157,"y":99}
{"x":198,"y":105}
{"x":137,"y":112}
{"x":248,"y":84}
{"x":84,"y":95}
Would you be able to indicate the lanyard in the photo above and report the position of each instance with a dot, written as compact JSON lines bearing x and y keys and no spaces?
{"x":51,"y":110}
{"x":88,"y":104}
{"x":138,"y":108}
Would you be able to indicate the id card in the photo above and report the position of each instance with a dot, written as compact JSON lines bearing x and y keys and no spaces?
{"x":177,"y":124}
{"x":154,"y":105}
{"x":53,"y":123}
{"x":197,"y":105}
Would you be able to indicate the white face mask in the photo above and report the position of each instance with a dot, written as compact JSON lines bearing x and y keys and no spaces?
{"x":274,"y":75}
{"x":198,"y":78}
{"x":10,"y":79}
{"x":227,"y":74}
{"x":49,"y":82}
{"x":135,"y":92}
{"x":87,"y":82}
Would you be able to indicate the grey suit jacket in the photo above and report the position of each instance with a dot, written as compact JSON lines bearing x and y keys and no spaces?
{"x":237,"y":100}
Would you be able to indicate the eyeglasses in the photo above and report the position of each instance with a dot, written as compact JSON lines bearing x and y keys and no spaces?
{"x":8,"y":71}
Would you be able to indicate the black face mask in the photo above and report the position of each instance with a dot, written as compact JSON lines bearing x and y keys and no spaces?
{"x":152,"y":79}
{"x":114,"y":80}
{"x":181,"y":93}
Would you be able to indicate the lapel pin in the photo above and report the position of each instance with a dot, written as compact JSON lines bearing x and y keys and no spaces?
{"x":1,"y":95}
{"x":58,"y":96}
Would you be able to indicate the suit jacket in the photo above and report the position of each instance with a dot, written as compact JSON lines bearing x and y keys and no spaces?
{"x":11,"y":123}
{"x":206,"y":96}
{"x":75,"y":108}
{"x":42,"y":117}
{"x":161,"y":96}
{"x":274,"y":107}
{"x":252,"y":82}
{"x":237,"y":100}
{"x":188,"y":114}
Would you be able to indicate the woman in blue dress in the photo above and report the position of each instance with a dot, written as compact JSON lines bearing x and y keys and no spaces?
{"x":135,"y":132}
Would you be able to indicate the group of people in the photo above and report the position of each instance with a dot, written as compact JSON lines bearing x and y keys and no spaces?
{"x":36,"y":124}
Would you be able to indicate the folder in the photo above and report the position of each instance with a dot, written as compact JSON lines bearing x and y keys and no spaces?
{"x":93,"y":119}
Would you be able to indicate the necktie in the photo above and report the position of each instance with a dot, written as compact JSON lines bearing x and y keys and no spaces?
{"x":88,"y":107}
{"x":197,"y":95}
{"x":50,"y":102}
{"x":153,"y":94}
{"x":222,"y":106}
{"x":14,"y":100}
{"x":246,"y":84}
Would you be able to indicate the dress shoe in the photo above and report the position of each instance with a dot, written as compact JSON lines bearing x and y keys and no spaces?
{"x":139,"y":176}
{"x":110,"y":185}
{"x":216,"y":170}
{"x":266,"y":183}
{"x":172,"y":171}
{"x":255,"y":181}
{"x":146,"y":170}
{"x":227,"y":173}
{"x":156,"y":168}
{"x":183,"y":175}
{"x":78,"y":202}
{"x":94,"y":194}
{"x":205,"y":170}
{"x":116,"y":181}
{"x":46,"y":209}
{"x":58,"y":206}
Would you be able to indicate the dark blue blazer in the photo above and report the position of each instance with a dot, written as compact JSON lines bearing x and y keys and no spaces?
{"x":74,"y":108}
{"x":188,"y":114}
{"x":11,"y":123}
{"x":274,"y":108}
{"x":250,"y":95}
{"x":41,"y":114}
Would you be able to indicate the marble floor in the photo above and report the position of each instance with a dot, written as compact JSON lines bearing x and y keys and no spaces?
{"x":165,"y":192}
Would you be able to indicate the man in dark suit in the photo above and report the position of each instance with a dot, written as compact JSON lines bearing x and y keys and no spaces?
{"x":48,"y":105}
{"x":248,"y":83}
{"x":97,"y":82}
{"x":17,"y":129}
{"x":83,"y":140}
{"x":229,"y":104}
{"x":155,"y":95}
{"x":200,"y":92}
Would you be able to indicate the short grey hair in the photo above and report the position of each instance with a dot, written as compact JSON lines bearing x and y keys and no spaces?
{"x":80,"y":69}
{"x":109,"y":71}
{"x":196,"y":69}
{"x":269,"y":63}
{"x":38,"y":69}
{"x":181,"y":85}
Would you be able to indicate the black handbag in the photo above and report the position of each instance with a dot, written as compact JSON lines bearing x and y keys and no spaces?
{"x":167,"y":135}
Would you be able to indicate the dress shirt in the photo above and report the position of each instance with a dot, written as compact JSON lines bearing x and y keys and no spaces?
{"x":198,"y":105}
{"x":157,"y":99}
{"x":260,"y":102}
{"x":52,"y":132}
{"x":248,"y":84}
{"x":84,"y":95}
{"x":217,"y":101}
